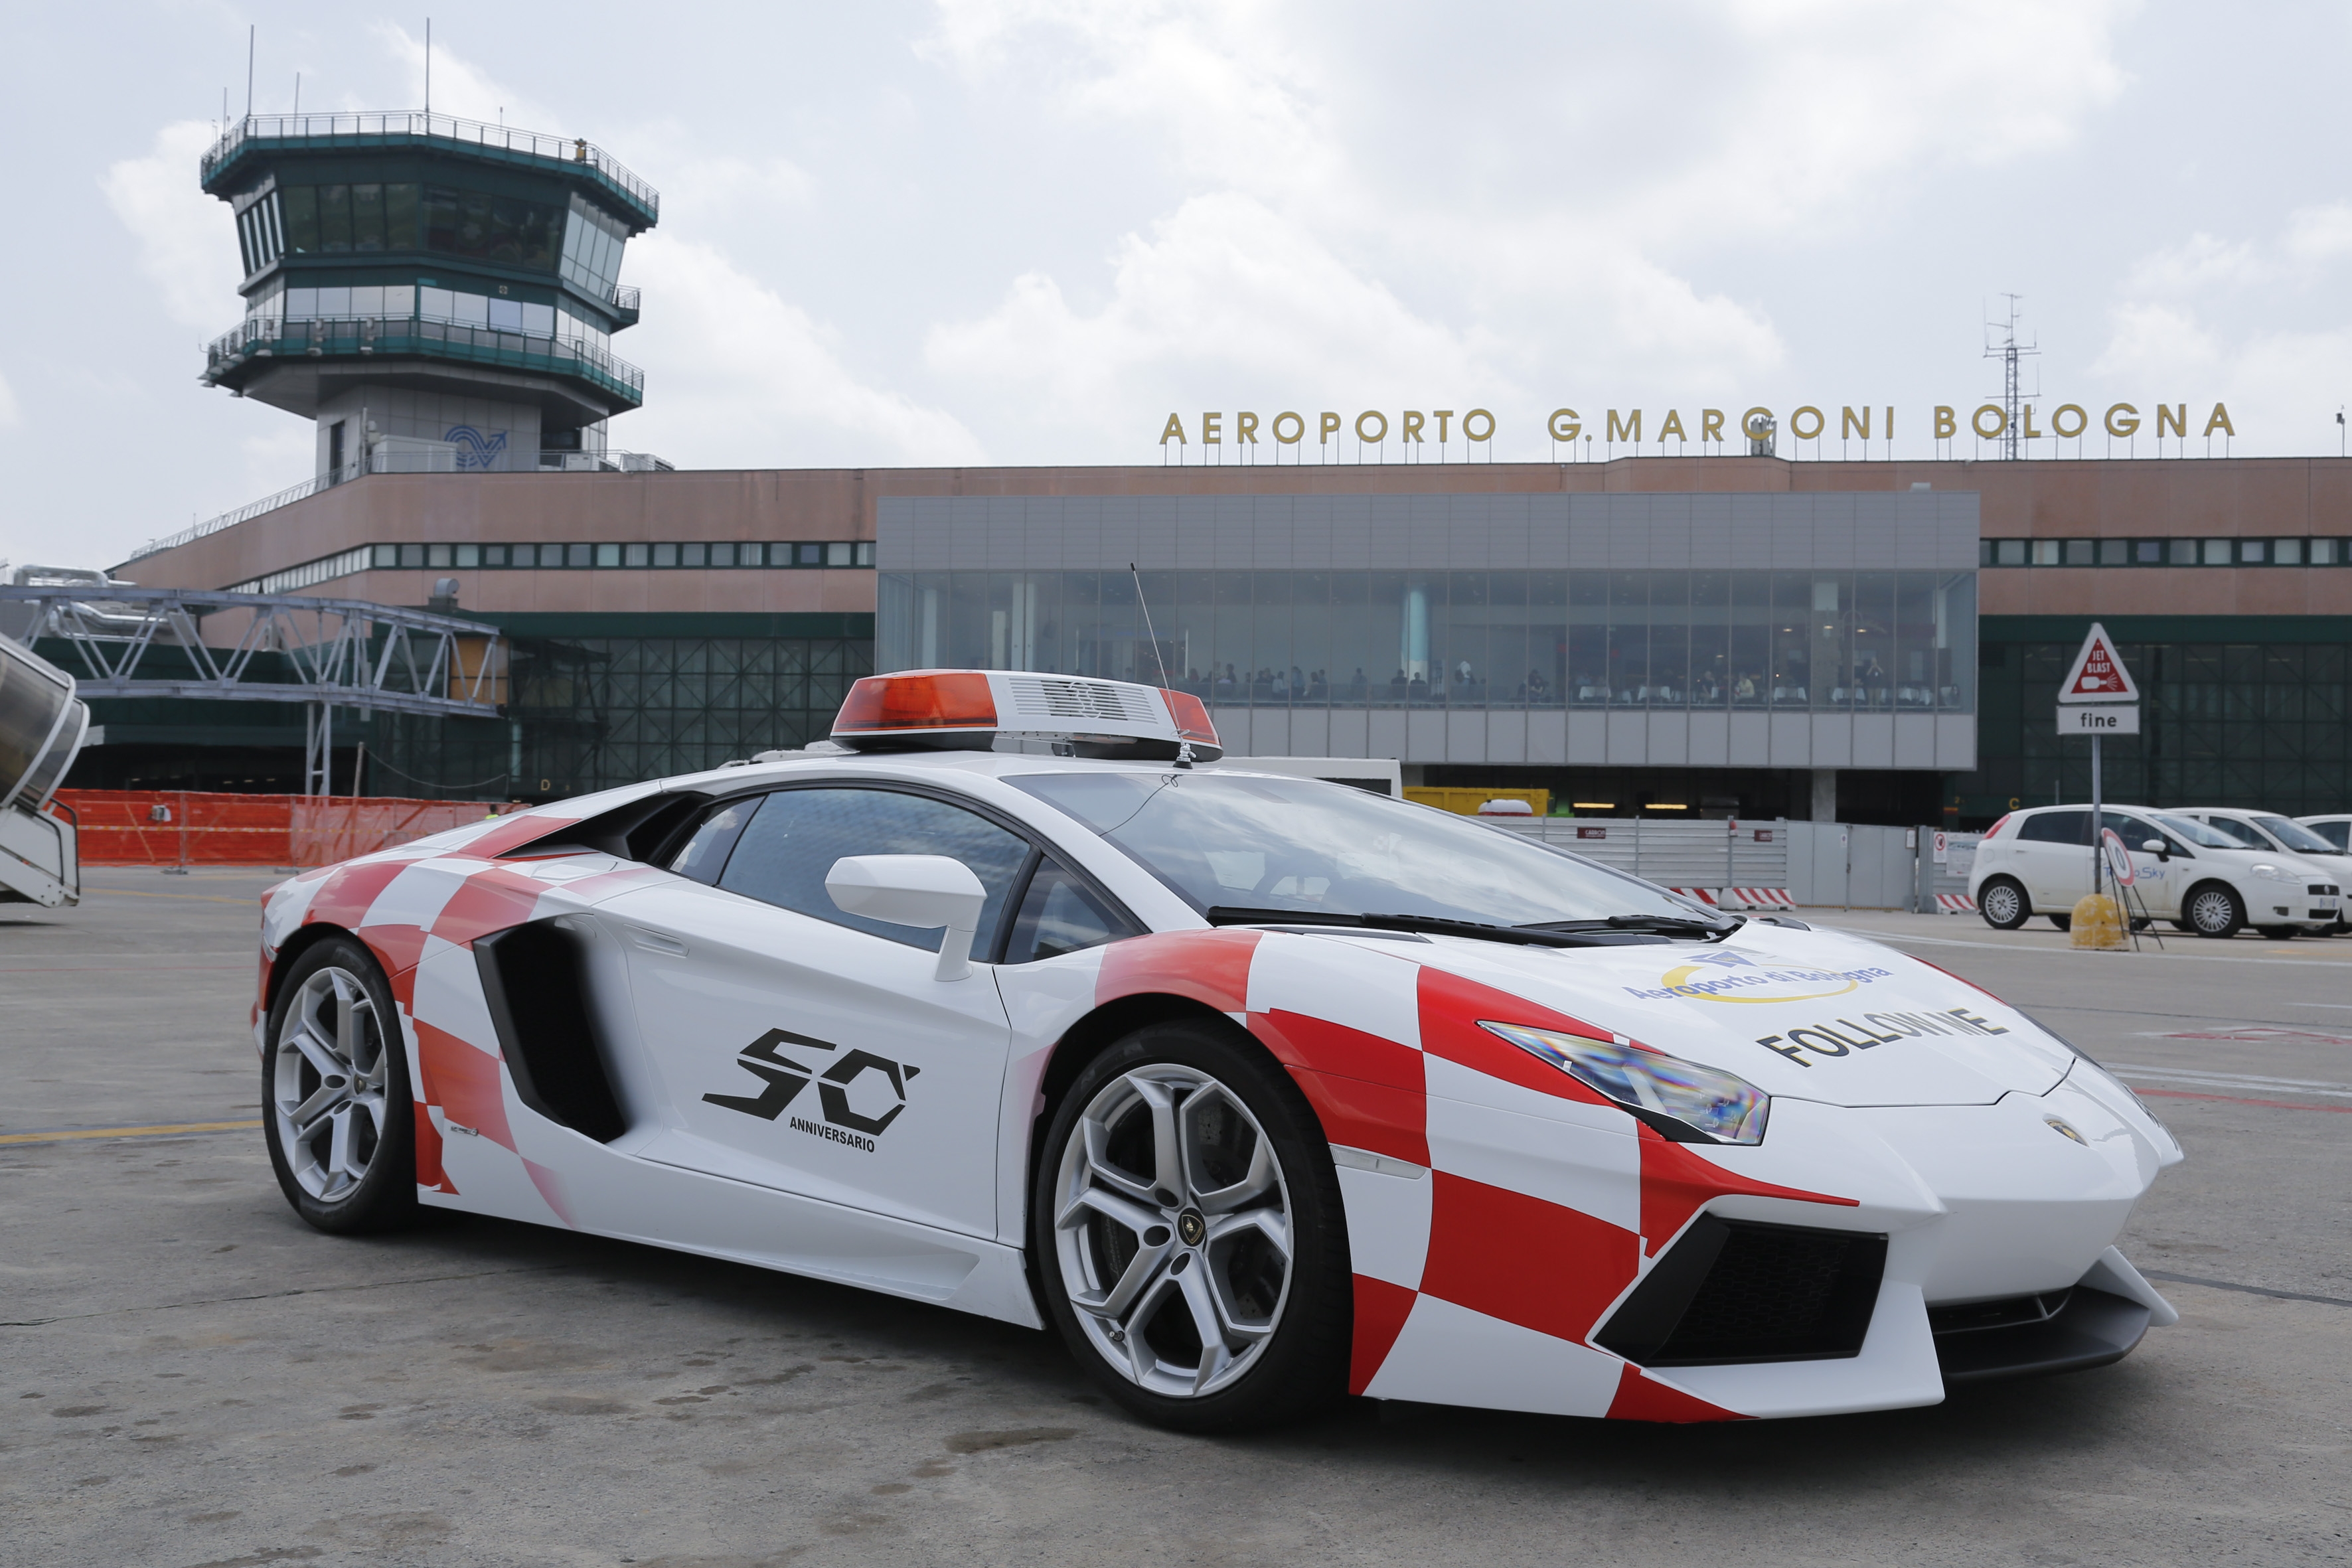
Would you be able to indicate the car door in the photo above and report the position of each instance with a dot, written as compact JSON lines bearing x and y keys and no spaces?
{"x":2157,"y":890}
{"x":2053,"y":858}
{"x":806,"y":1048}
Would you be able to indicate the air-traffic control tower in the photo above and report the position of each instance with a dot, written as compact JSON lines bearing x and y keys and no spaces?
{"x":438,"y":295}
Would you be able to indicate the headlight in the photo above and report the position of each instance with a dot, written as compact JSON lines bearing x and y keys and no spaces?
{"x":2270,"y":873}
{"x":1718,"y":1106}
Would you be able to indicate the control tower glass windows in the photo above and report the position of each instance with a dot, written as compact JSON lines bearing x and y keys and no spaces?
{"x":592,"y":247}
{"x":258,"y":235}
{"x":367,"y":217}
{"x":332,"y":220}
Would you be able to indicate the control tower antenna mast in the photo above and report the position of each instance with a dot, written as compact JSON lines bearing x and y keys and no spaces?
{"x":2011,"y":354}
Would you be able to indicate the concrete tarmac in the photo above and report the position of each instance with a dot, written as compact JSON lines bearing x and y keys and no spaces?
{"x":190,"y":1376}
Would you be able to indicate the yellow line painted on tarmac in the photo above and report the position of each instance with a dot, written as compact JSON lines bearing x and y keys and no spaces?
{"x":63,"y":1135}
{"x":199,"y":897}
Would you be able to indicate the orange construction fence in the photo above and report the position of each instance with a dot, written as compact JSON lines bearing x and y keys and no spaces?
{"x":187,"y":828}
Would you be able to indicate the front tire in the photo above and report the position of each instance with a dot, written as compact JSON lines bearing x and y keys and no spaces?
{"x":2213,"y":911}
{"x":2063,"y":922}
{"x":2003,"y":904}
{"x":2280,"y":933}
{"x":335,"y":1104}
{"x":1189,"y":1235}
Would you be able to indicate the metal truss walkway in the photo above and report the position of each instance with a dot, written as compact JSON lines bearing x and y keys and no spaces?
{"x":267,"y":647}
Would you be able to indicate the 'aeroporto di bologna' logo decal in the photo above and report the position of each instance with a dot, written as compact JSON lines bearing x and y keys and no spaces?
{"x":1733,"y":977}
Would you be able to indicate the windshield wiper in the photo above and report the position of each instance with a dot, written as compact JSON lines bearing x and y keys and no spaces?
{"x":1661,"y":925}
{"x":1597,"y":934}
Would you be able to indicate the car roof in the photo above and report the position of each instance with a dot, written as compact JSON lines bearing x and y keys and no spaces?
{"x":913,"y":764}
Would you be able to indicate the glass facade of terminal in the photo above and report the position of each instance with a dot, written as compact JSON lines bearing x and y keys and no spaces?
{"x":1889,"y":641}
{"x":2235,"y":711}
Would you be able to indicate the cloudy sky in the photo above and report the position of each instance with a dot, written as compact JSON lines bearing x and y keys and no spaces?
{"x":1028,"y":230}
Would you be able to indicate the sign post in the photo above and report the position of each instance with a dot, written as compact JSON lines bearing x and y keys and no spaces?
{"x":2098,"y":698}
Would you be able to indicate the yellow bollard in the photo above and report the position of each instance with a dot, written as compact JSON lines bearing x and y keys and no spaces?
{"x":2097,"y":922}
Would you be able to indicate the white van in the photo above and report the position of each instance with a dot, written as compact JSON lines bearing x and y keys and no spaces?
{"x":2038,"y":862}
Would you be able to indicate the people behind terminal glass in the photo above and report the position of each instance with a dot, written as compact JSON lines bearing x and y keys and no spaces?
{"x":1786,"y":683}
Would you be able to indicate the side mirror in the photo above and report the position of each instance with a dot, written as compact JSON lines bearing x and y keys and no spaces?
{"x":920,"y":890}
{"x":2155,"y":847}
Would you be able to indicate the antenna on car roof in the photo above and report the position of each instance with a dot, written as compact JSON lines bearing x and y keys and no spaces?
{"x":1183,"y":748}
{"x":1147,"y":626}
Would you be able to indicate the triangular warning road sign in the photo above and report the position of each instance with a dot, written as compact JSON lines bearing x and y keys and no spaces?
{"x":2099,"y":675}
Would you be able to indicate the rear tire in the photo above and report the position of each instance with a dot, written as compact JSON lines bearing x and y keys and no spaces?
{"x":2063,"y":922}
{"x":2214,"y":910}
{"x":2003,"y":904}
{"x":2280,"y":933}
{"x":335,"y":1104}
{"x":1174,"y":1172}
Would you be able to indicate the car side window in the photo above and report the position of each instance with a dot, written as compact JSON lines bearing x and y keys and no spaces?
{"x":1060,"y":914}
{"x":704,"y":854}
{"x":2231,"y":828}
{"x":783,"y":854}
{"x":2336,"y":833}
{"x":2057,"y":827}
{"x":2136,"y":834}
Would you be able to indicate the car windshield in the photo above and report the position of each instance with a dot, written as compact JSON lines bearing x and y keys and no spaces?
{"x":2296,"y":836}
{"x":2197,"y":832}
{"x":1277,"y":844}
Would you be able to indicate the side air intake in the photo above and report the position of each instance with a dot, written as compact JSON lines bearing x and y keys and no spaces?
{"x":536,"y":984}
{"x":1736,"y":1290}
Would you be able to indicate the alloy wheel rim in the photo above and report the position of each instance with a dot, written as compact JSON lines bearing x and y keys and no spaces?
{"x":2212,"y":910}
{"x":327,"y":1084}
{"x":1171,"y":1221}
{"x":2002,"y":902}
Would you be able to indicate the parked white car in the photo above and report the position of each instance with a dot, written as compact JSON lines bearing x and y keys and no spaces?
{"x":2335,"y":827}
{"x":2267,"y":830}
{"x":2039,"y":862}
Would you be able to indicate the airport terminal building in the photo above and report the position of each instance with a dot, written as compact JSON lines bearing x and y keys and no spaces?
{"x":1721,"y":636}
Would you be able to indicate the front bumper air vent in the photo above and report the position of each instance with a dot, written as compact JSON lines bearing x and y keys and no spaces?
{"x":1738,"y":1290}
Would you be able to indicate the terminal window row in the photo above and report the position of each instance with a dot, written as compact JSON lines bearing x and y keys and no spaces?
{"x":2164,"y":552}
{"x":658,"y":555}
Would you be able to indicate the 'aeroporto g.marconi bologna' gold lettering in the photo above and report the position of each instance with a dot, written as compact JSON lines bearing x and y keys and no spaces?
{"x":1987,"y":421}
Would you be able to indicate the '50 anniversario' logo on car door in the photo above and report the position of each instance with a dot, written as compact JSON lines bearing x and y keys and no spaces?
{"x":785,"y":1078}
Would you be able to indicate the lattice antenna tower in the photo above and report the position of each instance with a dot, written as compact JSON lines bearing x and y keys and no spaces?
{"x":2013,"y":393}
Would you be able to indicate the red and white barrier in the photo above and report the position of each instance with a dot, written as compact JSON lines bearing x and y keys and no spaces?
{"x":1760,"y":898}
{"x":1955,"y":904}
{"x":1702,"y":895}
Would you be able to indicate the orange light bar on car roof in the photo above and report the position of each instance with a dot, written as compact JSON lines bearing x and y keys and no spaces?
{"x":997,"y":709}
{"x":1191,"y":716}
{"x":918,"y":699}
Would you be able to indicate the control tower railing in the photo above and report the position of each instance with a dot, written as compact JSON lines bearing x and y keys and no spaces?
{"x":372,"y":130}
{"x":264,"y":337}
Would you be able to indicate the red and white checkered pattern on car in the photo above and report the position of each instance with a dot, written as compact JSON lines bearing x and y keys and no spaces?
{"x":418,"y":907}
{"x":1482,"y":1270}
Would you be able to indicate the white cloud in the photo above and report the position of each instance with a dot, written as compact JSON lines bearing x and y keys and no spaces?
{"x":186,"y":239}
{"x":1223,"y":293}
{"x":749,"y":380}
{"x":1355,"y":217}
{"x":460,"y":88}
{"x":2315,"y":236}
{"x":2156,"y":346}
{"x":2200,"y":261}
